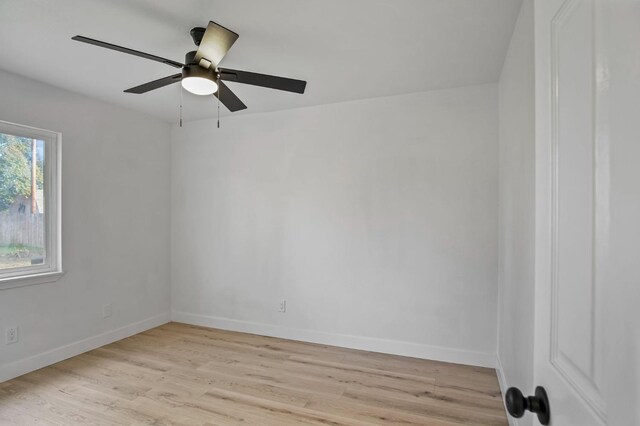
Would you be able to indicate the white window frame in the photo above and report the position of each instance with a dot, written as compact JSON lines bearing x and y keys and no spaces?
{"x":51,"y":270}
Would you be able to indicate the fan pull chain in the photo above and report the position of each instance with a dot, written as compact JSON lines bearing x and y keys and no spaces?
{"x":219,"y":94}
{"x":181,"y":91}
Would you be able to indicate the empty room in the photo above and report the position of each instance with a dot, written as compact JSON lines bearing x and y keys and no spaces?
{"x":320,"y":212}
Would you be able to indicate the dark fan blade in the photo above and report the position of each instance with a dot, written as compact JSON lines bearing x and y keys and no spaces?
{"x":126,"y":50}
{"x":228,"y":98}
{"x":216,"y":42}
{"x":263,"y":80}
{"x":155,"y":84}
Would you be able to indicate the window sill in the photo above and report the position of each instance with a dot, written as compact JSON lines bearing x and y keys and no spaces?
{"x":25,"y":280}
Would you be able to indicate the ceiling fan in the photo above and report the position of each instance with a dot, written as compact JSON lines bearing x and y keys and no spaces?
{"x":201,"y":74}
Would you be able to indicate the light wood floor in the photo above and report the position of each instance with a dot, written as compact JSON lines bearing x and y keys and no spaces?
{"x":178,"y":374}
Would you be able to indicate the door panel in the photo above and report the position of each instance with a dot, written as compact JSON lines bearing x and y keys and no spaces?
{"x":587,"y":331}
{"x":571,"y":209}
{"x":575,"y":232}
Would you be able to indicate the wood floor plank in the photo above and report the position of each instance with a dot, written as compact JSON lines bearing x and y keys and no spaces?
{"x":381,"y":415}
{"x":427,"y":407}
{"x":179,"y":374}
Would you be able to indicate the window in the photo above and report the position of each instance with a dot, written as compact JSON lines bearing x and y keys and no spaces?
{"x":30,"y":246}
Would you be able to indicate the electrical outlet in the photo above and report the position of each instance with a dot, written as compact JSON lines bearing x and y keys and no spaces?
{"x":10,"y":335}
{"x":107,"y":311}
{"x":283,"y":306}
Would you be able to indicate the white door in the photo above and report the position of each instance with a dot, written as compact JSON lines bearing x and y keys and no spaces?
{"x":587,"y":343}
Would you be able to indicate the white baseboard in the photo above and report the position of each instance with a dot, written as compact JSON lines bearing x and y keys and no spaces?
{"x":503,"y":389}
{"x":395,"y":347}
{"x":24,"y":366}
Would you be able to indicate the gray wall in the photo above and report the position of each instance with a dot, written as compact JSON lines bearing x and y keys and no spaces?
{"x":115,"y":226}
{"x":375,"y":219}
{"x":517,"y":208}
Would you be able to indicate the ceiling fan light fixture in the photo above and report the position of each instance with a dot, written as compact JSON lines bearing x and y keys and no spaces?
{"x":198,"y":80}
{"x":200,"y":85}
{"x":200,"y":72}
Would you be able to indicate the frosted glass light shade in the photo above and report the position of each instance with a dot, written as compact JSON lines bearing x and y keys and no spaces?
{"x":199,"y":85}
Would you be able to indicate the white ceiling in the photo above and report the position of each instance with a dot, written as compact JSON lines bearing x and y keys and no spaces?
{"x":345,"y":49}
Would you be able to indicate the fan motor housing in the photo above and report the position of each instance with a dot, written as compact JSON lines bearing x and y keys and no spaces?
{"x":195,"y":70}
{"x":190,"y":58}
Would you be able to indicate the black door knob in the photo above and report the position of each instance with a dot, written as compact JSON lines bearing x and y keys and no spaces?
{"x":517,"y":404}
